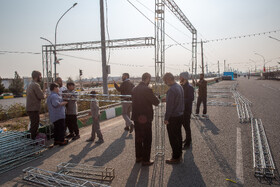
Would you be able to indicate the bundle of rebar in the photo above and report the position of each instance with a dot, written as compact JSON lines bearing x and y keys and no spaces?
{"x":263,"y":161}
{"x":49,"y":178}
{"x":17,"y":149}
{"x":86,"y":171}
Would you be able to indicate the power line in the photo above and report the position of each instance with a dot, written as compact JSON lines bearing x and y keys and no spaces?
{"x":165,"y":20}
{"x":20,"y":52}
{"x":155,"y":25}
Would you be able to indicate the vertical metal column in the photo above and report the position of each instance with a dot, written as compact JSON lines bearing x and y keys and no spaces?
{"x":103,"y":49}
{"x":159,"y":71}
{"x":194,"y":52}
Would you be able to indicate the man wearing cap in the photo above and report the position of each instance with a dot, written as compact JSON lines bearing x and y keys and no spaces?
{"x":188,"y":100}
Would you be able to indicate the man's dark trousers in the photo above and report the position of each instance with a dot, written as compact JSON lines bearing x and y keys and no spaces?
{"x":143,"y":140}
{"x":34,"y":119}
{"x":175,"y":135}
{"x":203,"y":100}
{"x":59,"y":126}
{"x":71,"y":123}
{"x":187,"y":126}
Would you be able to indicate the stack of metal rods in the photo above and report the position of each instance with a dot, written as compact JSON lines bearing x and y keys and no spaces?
{"x":17,"y":149}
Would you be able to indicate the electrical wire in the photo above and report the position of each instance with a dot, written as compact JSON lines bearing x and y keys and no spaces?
{"x":20,"y":52}
{"x":155,"y":25}
{"x":165,"y":20}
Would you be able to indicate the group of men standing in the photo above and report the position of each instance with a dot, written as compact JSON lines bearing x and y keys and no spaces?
{"x":179,"y":99}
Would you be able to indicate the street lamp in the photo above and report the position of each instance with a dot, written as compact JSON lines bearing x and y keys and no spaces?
{"x":263,"y":60}
{"x":255,"y":64}
{"x":55,"y":57}
{"x":274,"y":38}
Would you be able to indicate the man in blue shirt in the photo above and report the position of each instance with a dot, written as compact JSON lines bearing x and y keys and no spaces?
{"x":188,"y":101}
{"x":56,"y":107}
{"x":174,"y":117}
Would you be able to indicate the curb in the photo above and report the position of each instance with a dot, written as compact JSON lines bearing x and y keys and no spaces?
{"x":11,"y":96}
{"x":104,"y":115}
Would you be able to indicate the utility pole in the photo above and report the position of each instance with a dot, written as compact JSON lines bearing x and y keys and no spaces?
{"x":218,"y":68}
{"x":103,"y":50}
{"x":224,"y":65}
{"x":202,"y":60}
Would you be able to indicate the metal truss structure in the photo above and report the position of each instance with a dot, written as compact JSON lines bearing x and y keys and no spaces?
{"x":17,"y":149}
{"x":243,"y":108}
{"x":84,"y":171}
{"x":49,"y":50}
{"x":49,"y":178}
{"x":160,"y":59}
{"x":181,"y":16}
{"x":219,"y":96}
{"x":220,"y":103}
{"x":263,"y":161}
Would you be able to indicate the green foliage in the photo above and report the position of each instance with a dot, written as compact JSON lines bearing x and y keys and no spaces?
{"x":2,"y":88}
{"x":14,"y":111}
{"x":17,"y":85}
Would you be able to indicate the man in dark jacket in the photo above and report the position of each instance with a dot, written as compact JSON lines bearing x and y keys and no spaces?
{"x":125,"y":88}
{"x":143,"y":100}
{"x":188,"y":100}
{"x":202,"y":95}
{"x":174,"y":117}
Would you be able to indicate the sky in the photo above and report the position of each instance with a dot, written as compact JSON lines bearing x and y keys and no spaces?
{"x":24,"y":22}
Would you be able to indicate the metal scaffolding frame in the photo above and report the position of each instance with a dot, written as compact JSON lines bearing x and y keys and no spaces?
{"x":262,"y":158}
{"x":17,"y":149}
{"x":84,"y":171}
{"x":243,"y":107}
{"x":49,"y":50}
{"x":49,"y":178}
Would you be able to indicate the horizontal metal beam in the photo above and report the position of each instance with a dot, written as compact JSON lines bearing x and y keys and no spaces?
{"x":94,"y":45}
{"x":180,"y":15}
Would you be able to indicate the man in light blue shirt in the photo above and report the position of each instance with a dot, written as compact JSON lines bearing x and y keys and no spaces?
{"x":174,"y":117}
{"x":56,"y":107}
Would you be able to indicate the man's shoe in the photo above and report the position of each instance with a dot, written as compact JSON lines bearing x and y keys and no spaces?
{"x":65,"y":142}
{"x":126,"y":128}
{"x":100,"y":141}
{"x":76,"y":137}
{"x":131,"y":128}
{"x":173,"y":161}
{"x":90,"y":140}
{"x":186,"y":146}
{"x":69,"y":136}
{"x":149,"y":163}
{"x":138,"y":160}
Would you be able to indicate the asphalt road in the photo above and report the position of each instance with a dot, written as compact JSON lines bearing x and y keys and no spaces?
{"x":221,"y":147}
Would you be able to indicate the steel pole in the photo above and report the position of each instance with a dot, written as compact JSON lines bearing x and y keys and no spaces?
{"x":103,"y":49}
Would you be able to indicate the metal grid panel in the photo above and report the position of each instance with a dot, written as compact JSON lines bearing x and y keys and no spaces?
{"x":49,"y":178}
{"x":86,"y":171}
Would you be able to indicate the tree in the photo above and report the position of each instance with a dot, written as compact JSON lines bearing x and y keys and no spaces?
{"x":17,"y":85}
{"x":70,"y":80}
{"x":2,"y":87}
